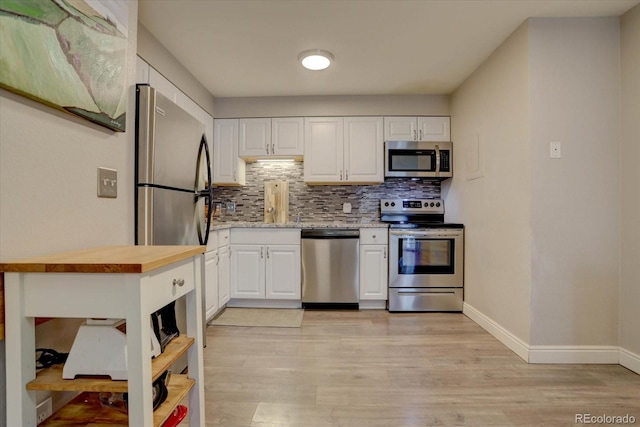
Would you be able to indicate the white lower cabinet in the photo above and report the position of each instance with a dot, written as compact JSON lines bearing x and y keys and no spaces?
{"x":211,"y":301}
{"x":216,"y":272}
{"x":224,"y":275}
{"x":265,"y":264}
{"x":374,"y":264}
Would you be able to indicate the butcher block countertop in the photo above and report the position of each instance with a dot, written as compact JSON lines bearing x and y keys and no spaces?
{"x":104,"y":259}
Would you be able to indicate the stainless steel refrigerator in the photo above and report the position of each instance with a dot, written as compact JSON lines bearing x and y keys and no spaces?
{"x":173,"y":175}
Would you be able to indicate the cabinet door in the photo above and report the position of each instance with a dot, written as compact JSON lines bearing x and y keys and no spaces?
{"x":400,"y":129}
{"x":287,"y":136}
{"x":363,"y":149}
{"x":227,"y":167}
{"x":247,"y":271}
{"x":254,"y":137}
{"x":323,"y":149}
{"x":434,"y":128}
{"x":211,"y":283}
{"x":224,"y":278}
{"x":373,"y":272}
{"x":283,"y":272}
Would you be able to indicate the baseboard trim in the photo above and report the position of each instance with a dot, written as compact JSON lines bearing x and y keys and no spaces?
{"x":512,"y":342}
{"x":554,"y":354}
{"x":262,"y":303}
{"x":574,"y":354}
{"x":630,"y":360}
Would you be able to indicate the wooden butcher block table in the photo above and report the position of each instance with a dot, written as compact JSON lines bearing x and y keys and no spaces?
{"x":119,"y":282}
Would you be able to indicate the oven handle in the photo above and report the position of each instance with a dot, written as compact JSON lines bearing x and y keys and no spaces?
{"x":437,"y":160}
{"x":423,"y":233}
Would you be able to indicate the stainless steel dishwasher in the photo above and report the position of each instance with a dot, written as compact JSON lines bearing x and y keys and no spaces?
{"x":330,"y":268}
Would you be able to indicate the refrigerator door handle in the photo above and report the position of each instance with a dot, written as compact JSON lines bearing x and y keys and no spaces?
{"x":206,"y":193}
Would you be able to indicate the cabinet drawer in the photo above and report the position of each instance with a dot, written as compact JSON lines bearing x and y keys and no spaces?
{"x":265,"y":236}
{"x":162,"y":282}
{"x":374,"y":236}
{"x":223,"y":237}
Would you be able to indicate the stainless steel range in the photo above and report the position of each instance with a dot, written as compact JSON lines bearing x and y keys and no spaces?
{"x":426,"y":256}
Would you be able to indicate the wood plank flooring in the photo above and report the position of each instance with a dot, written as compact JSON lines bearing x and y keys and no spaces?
{"x":373,"y":368}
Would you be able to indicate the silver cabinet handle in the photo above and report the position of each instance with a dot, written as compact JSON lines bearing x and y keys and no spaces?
{"x":179,"y":282}
{"x":267,"y":252}
{"x":273,"y":148}
{"x":415,"y":135}
{"x":267,"y":148}
{"x":234,"y":175}
{"x":340,"y":174}
{"x":262,"y":252}
{"x":385,"y":252}
{"x":420,"y":134}
{"x":346,"y":178}
{"x":217,"y":259}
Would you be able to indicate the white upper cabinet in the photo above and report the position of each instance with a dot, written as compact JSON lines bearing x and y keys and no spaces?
{"x":400,"y":129}
{"x":280,"y":137}
{"x":287,"y":136}
{"x":434,"y":128}
{"x":254,"y":138}
{"x":228,"y":168}
{"x":363,"y":149}
{"x":417,"y":128}
{"x":323,"y":149}
{"x":345,"y":150}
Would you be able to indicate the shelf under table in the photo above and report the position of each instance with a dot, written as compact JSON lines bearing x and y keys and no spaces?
{"x":86,"y":410}
{"x":51,"y":378}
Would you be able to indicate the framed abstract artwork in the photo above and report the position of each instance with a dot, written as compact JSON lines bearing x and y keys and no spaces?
{"x":68,"y":54}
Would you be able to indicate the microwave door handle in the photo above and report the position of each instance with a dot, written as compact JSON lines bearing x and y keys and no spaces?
{"x":437,"y":160}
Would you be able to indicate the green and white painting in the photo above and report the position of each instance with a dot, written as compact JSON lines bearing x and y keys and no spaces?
{"x":68,"y":54}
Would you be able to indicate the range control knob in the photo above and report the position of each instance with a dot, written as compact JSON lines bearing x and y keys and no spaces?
{"x":386,"y":204}
{"x":438,"y":204}
{"x":393,"y":204}
{"x":432,"y":204}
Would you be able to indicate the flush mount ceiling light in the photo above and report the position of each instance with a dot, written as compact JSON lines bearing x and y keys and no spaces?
{"x":315,"y":59}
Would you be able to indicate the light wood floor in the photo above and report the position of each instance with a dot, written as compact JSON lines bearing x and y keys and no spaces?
{"x":373,"y":368}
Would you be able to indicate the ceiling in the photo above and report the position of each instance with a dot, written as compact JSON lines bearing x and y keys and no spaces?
{"x":381,"y":47}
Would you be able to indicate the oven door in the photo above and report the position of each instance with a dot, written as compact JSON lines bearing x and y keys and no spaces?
{"x":426,"y":258}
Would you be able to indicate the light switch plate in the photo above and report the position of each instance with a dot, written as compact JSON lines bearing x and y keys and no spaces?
{"x":346,"y":207}
{"x":107,"y":183}
{"x":555,"y":150}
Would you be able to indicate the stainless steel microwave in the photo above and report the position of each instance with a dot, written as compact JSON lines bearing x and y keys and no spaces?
{"x":421,"y":159}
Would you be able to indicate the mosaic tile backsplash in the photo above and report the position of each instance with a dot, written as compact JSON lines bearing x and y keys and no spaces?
{"x":317,"y":202}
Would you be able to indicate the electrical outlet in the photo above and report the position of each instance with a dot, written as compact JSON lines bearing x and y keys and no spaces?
{"x":346,"y":207}
{"x":44,"y":410}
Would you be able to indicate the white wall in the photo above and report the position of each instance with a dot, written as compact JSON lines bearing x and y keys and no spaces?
{"x":283,"y":106}
{"x":490,"y":191}
{"x":575,"y":200}
{"x":156,"y":55}
{"x":557,"y":232}
{"x":630,"y":182}
{"x":48,"y":180}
